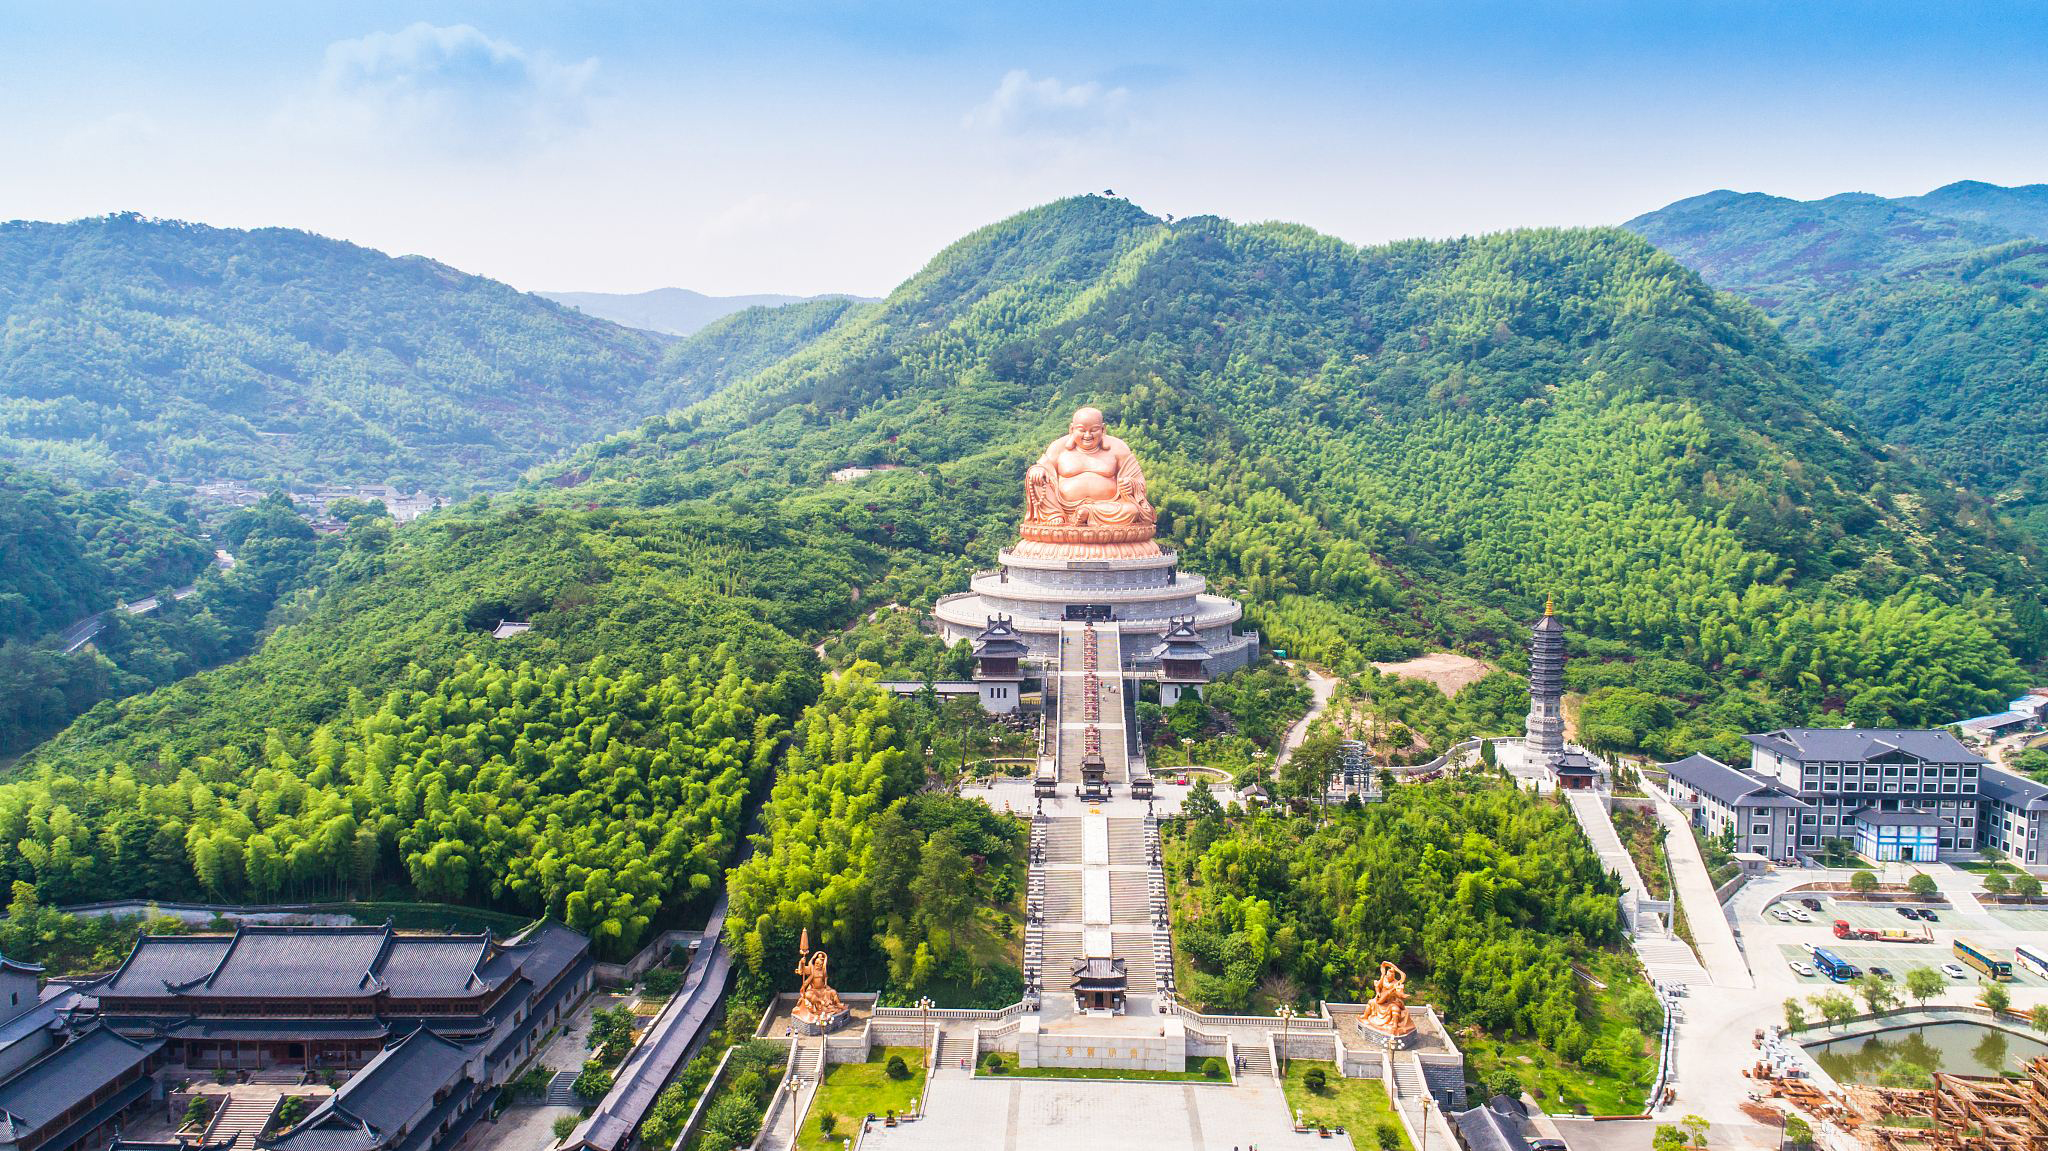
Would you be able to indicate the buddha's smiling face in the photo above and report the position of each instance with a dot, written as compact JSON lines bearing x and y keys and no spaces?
{"x":1087,"y":429}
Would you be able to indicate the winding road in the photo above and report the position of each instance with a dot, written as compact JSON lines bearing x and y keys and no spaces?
{"x":83,"y":631}
{"x":1324,"y":686}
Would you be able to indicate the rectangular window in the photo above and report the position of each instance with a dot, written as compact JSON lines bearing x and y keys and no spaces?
{"x":1806,"y":841}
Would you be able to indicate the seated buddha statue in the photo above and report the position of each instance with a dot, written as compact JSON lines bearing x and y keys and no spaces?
{"x":1087,"y":478}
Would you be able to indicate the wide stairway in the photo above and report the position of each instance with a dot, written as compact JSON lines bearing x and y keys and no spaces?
{"x":1254,"y":1059}
{"x":1091,"y":703}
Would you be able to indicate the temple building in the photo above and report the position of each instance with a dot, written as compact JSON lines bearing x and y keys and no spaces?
{"x":422,"y":1091}
{"x":1087,"y":553}
{"x":335,"y":997}
{"x":1543,"y":735}
{"x":426,"y":1028}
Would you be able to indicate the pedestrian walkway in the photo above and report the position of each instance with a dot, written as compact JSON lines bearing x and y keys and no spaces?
{"x":1666,"y":958}
{"x":1711,"y":932}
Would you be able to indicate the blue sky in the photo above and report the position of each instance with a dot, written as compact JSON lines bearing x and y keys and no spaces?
{"x":811,"y":147}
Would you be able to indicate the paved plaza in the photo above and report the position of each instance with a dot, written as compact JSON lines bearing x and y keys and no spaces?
{"x":981,"y":1114}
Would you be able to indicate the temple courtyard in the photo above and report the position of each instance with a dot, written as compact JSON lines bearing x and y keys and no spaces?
{"x":979,"y":1113}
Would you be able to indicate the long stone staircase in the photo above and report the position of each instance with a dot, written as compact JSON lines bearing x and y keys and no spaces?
{"x":1253,"y":1059}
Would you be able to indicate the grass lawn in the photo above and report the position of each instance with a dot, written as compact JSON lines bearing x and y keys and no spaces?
{"x":1357,"y":1105}
{"x":1629,"y":1056}
{"x":1194,"y":1071}
{"x":852,"y":1090}
{"x":1982,"y":868}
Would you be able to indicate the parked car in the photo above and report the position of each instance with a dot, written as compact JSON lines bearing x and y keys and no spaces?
{"x":1811,"y":904}
{"x":1799,"y":968}
{"x":1801,"y":914}
{"x":1954,"y":971}
{"x":1881,"y":972}
{"x":1546,"y":1145}
{"x":1781,"y":915}
{"x":1907,"y":913}
{"x":1927,"y":913}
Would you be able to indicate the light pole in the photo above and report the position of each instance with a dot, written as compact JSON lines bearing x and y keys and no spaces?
{"x":1428,"y":1104}
{"x":924,"y":1004}
{"x":1286,"y":1014}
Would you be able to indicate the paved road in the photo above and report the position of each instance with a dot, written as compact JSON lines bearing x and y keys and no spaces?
{"x":82,"y":632}
{"x":1323,"y":686}
{"x":1711,"y":933}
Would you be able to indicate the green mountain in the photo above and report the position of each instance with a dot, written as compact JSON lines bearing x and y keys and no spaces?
{"x":1928,"y":314}
{"x":1379,"y":450}
{"x":672,"y":311}
{"x":66,"y":553}
{"x":1393,"y":447}
{"x":68,"y":556}
{"x":144,"y":349}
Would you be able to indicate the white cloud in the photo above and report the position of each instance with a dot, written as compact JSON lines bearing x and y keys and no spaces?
{"x":450,"y":88}
{"x":1046,"y":108}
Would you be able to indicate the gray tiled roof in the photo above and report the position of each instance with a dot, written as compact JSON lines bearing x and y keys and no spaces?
{"x":1485,"y":1129}
{"x":1857,"y":744}
{"x":2012,"y":790}
{"x":389,"y":1096}
{"x":52,"y":1085}
{"x":1730,"y":786}
{"x":263,"y":960}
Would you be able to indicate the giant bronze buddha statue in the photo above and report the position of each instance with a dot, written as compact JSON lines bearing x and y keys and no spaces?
{"x":1085,"y":497}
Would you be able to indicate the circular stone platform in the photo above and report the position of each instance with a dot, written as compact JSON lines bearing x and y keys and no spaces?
{"x":1141,"y":594}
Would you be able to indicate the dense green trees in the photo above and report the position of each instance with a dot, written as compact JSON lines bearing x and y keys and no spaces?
{"x":1483,"y":893}
{"x":893,"y":884}
{"x":66,"y":555}
{"x":593,"y":798}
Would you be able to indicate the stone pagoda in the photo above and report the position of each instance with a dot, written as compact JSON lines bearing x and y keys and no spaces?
{"x":1543,"y":736}
{"x":1086,"y":553}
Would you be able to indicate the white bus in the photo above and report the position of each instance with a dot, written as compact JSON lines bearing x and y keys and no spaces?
{"x":2032,"y":958}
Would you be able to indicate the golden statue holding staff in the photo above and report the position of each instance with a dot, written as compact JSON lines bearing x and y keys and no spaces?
{"x":816,"y":1003}
{"x":1388,"y":1011}
{"x":1085,"y":497}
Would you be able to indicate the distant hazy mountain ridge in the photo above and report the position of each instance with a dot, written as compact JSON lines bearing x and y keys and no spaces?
{"x":675,"y":311}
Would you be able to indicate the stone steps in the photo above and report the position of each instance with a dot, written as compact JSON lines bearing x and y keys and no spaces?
{"x":562,"y":1089}
{"x":1254,"y":1060}
{"x":1062,"y":896}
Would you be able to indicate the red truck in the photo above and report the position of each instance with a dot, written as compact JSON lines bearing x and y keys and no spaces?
{"x":1882,"y":934}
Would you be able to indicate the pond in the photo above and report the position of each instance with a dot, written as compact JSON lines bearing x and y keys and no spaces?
{"x":1907,"y":1058}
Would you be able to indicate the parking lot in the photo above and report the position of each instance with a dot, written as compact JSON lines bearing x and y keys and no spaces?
{"x":1998,"y":930}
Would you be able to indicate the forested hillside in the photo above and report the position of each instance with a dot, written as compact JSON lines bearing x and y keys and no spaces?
{"x":1928,"y":314}
{"x":134,"y":348}
{"x":67,"y":555}
{"x":1389,"y":448}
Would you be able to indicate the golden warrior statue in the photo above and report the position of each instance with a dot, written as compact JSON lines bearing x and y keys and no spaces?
{"x":1388,"y":1011}
{"x":816,"y":1002}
